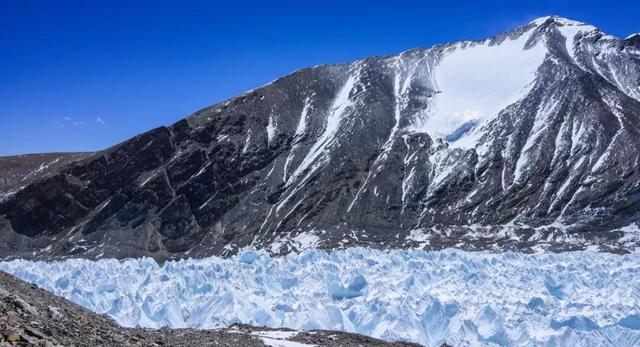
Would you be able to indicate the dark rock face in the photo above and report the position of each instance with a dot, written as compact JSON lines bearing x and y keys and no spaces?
{"x":17,"y":172}
{"x":350,"y":154}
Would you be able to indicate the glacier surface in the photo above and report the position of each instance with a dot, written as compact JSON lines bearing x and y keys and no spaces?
{"x":464,"y":298}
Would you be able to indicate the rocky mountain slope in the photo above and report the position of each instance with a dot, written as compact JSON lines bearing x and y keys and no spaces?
{"x":529,"y":139}
{"x":33,"y":317}
{"x":16,"y":172}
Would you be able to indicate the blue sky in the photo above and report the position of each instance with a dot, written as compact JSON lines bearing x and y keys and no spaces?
{"x":84,"y":75}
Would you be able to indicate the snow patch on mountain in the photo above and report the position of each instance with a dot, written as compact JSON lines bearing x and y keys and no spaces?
{"x":340,"y":104}
{"x":271,"y":128}
{"x":475,"y":81}
{"x":570,"y":30}
{"x":300,"y":242}
{"x":464,"y":298}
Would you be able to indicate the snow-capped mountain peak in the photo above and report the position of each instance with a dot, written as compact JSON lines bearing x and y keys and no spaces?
{"x":635,"y":36}
{"x":555,"y":19}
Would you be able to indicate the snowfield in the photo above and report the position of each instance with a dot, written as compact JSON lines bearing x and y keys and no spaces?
{"x":475,"y":81}
{"x":464,"y":298}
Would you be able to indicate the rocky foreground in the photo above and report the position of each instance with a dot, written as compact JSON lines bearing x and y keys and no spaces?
{"x":30,"y":316}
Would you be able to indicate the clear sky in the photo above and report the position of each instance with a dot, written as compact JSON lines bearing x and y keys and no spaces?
{"x":84,"y":75}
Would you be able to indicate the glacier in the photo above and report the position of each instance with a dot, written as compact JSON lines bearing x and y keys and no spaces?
{"x":583,"y":298}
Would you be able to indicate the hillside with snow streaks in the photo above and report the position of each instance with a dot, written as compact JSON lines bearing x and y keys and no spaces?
{"x":463,"y":298}
{"x":529,"y":139}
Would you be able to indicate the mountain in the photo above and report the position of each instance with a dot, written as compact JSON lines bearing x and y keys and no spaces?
{"x":526,"y":140}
